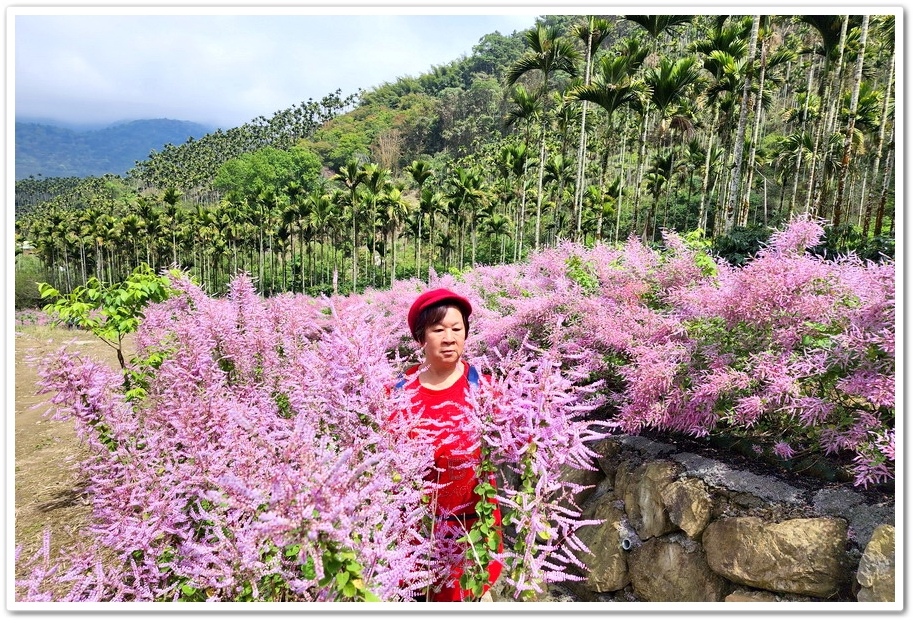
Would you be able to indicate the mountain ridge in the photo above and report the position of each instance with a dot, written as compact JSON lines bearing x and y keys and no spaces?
{"x":55,"y":150}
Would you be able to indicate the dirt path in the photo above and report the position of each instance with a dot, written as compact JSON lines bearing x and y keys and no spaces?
{"x":48,"y":492}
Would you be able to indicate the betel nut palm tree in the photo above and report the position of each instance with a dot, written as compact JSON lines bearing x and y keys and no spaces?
{"x":548,"y":53}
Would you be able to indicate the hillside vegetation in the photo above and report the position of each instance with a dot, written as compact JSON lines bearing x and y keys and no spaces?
{"x":44,"y":150}
{"x":582,"y":128}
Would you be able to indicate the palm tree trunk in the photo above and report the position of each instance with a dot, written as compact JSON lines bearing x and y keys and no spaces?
{"x":866,"y":221}
{"x":355,"y":247}
{"x":580,"y":174}
{"x":853,"y":105}
{"x":885,"y":184}
{"x":461,"y":241}
{"x":301,"y":259}
{"x":99,"y":262}
{"x":798,"y":156}
{"x":273,"y":262}
{"x":820,"y":190}
{"x":580,"y":171}
{"x":417,"y":243}
{"x":667,"y":192}
{"x":394,"y":255}
{"x":707,"y":168}
{"x":261,"y":260}
{"x":520,"y":225}
{"x":809,"y":199}
{"x":623,"y":148}
{"x":738,"y":153}
{"x":543,"y":158}
{"x":83,"y":259}
{"x":473,"y":242}
{"x":432,"y":246}
{"x":640,"y":160}
{"x":371,"y":263}
{"x":720,"y":219}
{"x":742,"y":221}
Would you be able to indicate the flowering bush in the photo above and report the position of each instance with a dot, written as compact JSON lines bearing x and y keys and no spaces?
{"x":32,"y":318}
{"x":531,"y":429}
{"x":251,"y":457}
{"x":794,"y":352}
{"x":791,"y":350}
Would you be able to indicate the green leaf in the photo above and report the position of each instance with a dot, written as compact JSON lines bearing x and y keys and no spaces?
{"x":354,"y":567}
{"x":46,"y":290}
{"x":331,"y":565}
{"x":308,"y":569}
{"x":135,"y":393}
{"x":349,"y":590}
{"x":292,"y":550}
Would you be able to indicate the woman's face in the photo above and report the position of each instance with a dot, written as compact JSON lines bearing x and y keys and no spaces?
{"x":444,"y":340}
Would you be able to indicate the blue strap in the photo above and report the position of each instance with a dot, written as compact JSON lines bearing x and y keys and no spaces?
{"x":473,"y":378}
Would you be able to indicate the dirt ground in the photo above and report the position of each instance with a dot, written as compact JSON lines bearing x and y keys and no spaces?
{"x":48,"y":491}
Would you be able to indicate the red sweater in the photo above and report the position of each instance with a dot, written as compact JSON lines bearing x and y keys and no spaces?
{"x":455,"y":458}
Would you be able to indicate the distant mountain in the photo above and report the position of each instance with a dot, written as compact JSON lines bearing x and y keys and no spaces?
{"x":56,"y":151}
{"x":70,"y":125}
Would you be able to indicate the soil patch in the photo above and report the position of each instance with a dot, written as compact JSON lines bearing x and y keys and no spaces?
{"x":49,"y":493}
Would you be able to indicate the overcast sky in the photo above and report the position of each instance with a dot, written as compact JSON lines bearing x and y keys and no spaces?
{"x":226,"y":68}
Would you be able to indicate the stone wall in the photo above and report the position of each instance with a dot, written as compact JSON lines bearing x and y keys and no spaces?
{"x":677,"y":526}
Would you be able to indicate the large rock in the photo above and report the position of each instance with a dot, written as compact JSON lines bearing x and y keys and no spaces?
{"x":582,"y":480}
{"x":673,"y":569}
{"x":717,"y":474}
{"x":851,"y":505}
{"x":802,"y":556}
{"x":632,"y":450}
{"x":742,"y":595}
{"x":877,"y":570}
{"x":642,"y":495}
{"x":607,"y":564}
{"x":689,"y":505}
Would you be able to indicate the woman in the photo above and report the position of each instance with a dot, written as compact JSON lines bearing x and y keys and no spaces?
{"x":438,"y":321}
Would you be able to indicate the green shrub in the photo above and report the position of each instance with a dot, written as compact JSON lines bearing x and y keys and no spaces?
{"x":29,"y":273}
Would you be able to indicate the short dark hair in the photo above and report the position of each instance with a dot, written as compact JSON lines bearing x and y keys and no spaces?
{"x":433,"y":314}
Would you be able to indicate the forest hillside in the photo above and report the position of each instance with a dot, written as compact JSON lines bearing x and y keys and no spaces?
{"x":584,"y":127}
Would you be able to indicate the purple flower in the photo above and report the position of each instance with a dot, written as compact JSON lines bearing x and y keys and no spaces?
{"x":783,"y":450}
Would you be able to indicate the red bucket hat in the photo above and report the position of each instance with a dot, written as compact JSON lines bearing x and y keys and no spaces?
{"x":432,"y":297}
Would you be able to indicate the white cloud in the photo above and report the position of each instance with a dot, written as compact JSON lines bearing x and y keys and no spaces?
{"x":224,"y":68}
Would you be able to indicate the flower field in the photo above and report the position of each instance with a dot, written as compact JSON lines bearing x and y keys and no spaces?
{"x":248,"y":453}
